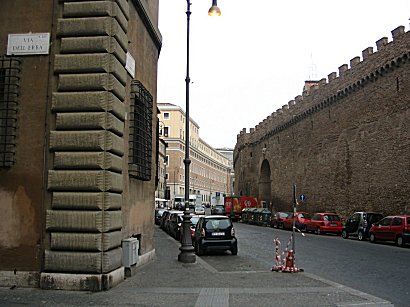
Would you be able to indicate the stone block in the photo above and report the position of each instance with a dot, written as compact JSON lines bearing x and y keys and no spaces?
{"x":86,"y":141}
{"x":92,"y":26}
{"x":90,"y":63}
{"x":83,"y":221}
{"x":86,"y":262}
{"x":94,"y":9}
{"x":69,"y":241}
{"x":89,"y":121}
{"x":88,"y":101}
{"x":91,"y":82}
{"x":88,"y":161}
{"x":93,"y":44}
{"x":86,"y":200}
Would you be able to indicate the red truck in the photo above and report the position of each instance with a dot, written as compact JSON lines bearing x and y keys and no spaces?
{"x":238,"y":204}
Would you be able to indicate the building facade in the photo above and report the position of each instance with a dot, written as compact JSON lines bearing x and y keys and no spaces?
{"x":78,"y":86}
{"x":228,"y":153}
{"x":209,"y":169}
{"x":344,"y":143}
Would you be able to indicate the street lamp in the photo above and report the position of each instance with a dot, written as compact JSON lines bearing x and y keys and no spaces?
{"x":187,"y":254}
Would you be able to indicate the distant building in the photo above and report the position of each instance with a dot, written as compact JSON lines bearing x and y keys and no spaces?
{"x":161,"y":191}
{"x":78,"y":87}
{"x":228,"y":153}
{"x":209,"y":169}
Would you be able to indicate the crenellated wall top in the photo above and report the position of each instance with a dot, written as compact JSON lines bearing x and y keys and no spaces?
{"x":316,"y":94}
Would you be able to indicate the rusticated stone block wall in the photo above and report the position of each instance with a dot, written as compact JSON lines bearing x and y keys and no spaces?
{"x":84,"y":221}
{"x":344,"y":142}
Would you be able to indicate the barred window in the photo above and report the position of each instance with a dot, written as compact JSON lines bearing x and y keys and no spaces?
{"x":9,"y":89}
{"x":140,"y":158}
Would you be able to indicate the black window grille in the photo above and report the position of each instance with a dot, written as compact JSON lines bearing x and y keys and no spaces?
{"x":9,"y":92}
{"x":140,"y":158}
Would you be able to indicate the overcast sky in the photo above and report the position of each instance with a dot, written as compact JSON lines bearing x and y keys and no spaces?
{"x":256,"y":56}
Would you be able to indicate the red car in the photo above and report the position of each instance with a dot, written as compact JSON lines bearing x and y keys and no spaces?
{"x":394,"y":228}
{"x":300,"y":221}
{"x":325,"y":223}
{"x":277,"y":219}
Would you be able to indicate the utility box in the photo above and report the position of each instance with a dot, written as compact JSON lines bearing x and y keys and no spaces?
{"x":130,"y":252}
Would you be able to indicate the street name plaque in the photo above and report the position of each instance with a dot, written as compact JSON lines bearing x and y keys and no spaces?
{"x":28,"y":44}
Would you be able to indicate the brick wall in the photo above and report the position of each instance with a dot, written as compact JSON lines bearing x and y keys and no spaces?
{"x":344,"y":142}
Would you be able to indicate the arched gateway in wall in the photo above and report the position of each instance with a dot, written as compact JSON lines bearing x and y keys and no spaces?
{"x":265,"y":183}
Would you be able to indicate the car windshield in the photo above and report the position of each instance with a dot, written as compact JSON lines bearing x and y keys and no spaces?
{"x":331,"y":218}
{"x":283,"y":214}
{"x":194,"y":220}
{"x":218,"y":224}
{"x":303,"y":215}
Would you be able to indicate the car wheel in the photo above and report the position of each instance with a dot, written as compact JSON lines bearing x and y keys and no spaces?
{"x":372,"y":238}
{"x":345,"y":235}
{"x":318,"y":231}
{"x":280,"y":225}
{"x":234,"y":249}
{"x":360,"y":235}
{"x":399,"y":241}
{"x":198,"y":249}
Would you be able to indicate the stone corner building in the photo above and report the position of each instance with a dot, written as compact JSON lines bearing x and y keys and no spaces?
{"x":78,"y":87}
{"x":344,"y":143}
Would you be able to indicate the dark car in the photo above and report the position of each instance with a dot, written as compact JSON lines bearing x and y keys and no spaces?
{"x":165,"y":219}
{"x":277,"y":219}
{"x":218,"y":210}
{"x":358,"y":224}
{"x":392,"y":228}
{"x":174,"y":224}
{"x":158,"y":216}
{"x":215,"y":232}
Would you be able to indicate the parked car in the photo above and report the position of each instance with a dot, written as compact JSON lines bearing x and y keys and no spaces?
{"x":174,"y":224}
{"x":199,"y":209}
{"x":391,"y":228}
{"x":300,"y":221}
{"x":194,"y":220}
{"x":166,"y":218}
{"x":358,"y":224}
{"x":321,"y":223}
{"x":158,"y":216}
{"x":215,"y":232}
{"x":218,"y":210}
{"x":277,"y":219}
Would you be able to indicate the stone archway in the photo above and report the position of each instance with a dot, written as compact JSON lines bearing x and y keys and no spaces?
{"x":265,"y":183}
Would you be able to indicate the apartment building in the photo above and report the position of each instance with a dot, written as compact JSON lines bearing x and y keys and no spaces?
{"x":209,"y":169}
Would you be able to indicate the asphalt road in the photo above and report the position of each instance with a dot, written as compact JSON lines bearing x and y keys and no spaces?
{"x":380,"y":269}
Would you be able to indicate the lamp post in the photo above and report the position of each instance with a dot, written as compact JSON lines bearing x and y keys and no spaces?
{"x":187,"y":254}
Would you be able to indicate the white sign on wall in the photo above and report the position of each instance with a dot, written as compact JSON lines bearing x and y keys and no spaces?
{"x":130,"y":64}
{"x":28,"y":43}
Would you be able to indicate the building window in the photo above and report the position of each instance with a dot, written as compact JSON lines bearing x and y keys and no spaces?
{"x":9,"y":91}
{"x":166,"y":115}
{"x":166,"y":131}
{"x":140,"y":158}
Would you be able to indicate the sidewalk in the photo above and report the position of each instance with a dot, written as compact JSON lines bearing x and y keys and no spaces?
{"x":167,"y":282}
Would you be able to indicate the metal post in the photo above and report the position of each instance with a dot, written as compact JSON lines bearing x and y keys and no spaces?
{"x":294,"y":218}
{"x":187,"y":254}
